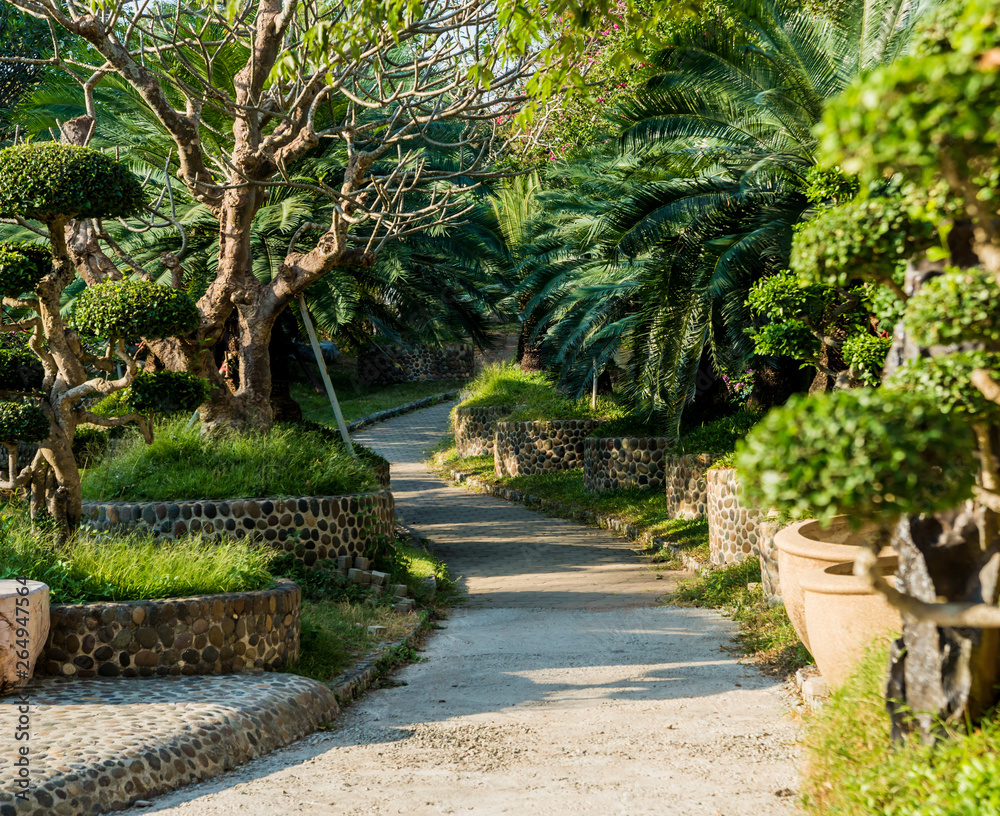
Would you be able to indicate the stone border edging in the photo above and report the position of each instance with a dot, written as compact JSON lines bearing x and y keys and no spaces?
{"x":631,"y":531}
{"x":389,"y":413}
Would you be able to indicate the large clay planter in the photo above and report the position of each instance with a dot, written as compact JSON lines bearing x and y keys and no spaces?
{"x":24,"y":626}
{"x":806,"y":546}
{"x":844,"y":617}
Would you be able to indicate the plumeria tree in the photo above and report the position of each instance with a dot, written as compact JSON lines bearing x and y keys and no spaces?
{"x":50,"y":387}
{"x":918,"y":457}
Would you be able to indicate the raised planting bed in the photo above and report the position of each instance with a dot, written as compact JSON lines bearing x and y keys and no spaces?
{"x":312,"y":527}
{"x":540,"y":446}
{"x":624,"y":461}
{"x":452,"y":361}
{"x":206,"y":634}
{"x":475,"y":428}
{"x":687,"y":484}
{"x":733,"y":530}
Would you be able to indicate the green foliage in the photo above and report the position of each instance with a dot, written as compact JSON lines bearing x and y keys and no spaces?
{"x":960,"y":305}
{"x":940,"y":106}
{"x":853,"y":768}
{"x":52,"y":180}
{"x":866,"y":353}
{"x":789,"y":338}
{"x":182,"y":464}
{"x":159,"y":391}
{"x":22,"y":422}
{"x":945,"y":380}
{"x":20,"y":371}
{"x":128,"y":567}
{"x":862,"y":240}
{"x":129,"y":310}
{"x":22,"y":266}
{"x":873,"y":454}
{"x":721,"y":435}
{"x":830,"y":186}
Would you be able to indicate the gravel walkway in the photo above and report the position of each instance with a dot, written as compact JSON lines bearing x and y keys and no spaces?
{"x":560,"y":688}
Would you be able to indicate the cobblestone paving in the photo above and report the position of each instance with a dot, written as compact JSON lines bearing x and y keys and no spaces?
{"x":560,"y":688}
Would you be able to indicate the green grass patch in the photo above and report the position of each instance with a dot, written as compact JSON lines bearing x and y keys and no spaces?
{"x":357,"y":400}
{"x":645,"y":508}
{"x":765,"y":634}
{"x":720,"y":435}
{"x":852,"y":767}
{"x":181,"y":464}
{"x":98,"y":567}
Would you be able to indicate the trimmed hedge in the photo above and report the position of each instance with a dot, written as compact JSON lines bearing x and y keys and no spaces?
{"x":22,"y":266}
{"x":129,"y":310}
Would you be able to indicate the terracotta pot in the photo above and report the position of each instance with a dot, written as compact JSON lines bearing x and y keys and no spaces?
{"x":805,"y":546}
{"x":844,"y":617}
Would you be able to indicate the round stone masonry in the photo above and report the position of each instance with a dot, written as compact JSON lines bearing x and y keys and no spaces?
{"x":540,"y":446}
{"x":312,"y":527}
{"x":687,"y":484}
{"x":396,"y":364}
{"x":733,"y":530}
{"x":475,"y":428}
{"x":624,"y":461}
{"x":206,"y":634}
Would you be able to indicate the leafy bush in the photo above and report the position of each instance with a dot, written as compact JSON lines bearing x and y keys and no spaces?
{"x":874,"y":454}
{"x":128,"y":310}
{"x":20,"y":371}
{"x":721,"y":435}
{"x":866,"y":354}
{"x":126,"y":567}
{"x":961,"y":305}
{"x":51,"y":180}
{"x":159,"y":391}
{"x":22,"y":266}
{"x":830,"y":186}
{"x":945,"y":381}
{"x":21,"y":422}
{"x":181,"y":464}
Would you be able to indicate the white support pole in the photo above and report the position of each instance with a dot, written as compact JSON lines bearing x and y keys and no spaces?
{"x":593,"y":393}
{"x":318,"y":353}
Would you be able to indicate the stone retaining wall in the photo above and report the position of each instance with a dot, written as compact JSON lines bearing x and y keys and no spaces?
{"x":208,"y":634}
{"x":475,"y":428}
{"x":397,"y":364}
{"x":733,"y":532}
{"x":616,"y":462}
{"x":526,"y":448}
{"x":687,"y":484}
{"x":313,"y":527}
{"x":767,"y":552}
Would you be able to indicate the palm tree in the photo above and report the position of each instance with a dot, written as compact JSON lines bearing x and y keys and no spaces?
{"x":702,"y":196}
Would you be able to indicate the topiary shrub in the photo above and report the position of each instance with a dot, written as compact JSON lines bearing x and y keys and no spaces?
{"x":961,"y":305}
{"x":873,"y":454}
{"x":58,"y":181}
{"x":21,"y":422}
{"x":22,"y":266}
{"x":946,"y":381}
{"x":160,"y":391}
{"x":20,"y":371}
{"x":128,"y":310}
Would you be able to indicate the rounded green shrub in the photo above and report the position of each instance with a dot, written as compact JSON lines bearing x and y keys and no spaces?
{"x":159,"y":391}
{"x":22,"y":266}
{"x":873,"y":454}
{"x":132,"y":309}
{"x":20,"y":422}
{"x":54,"y":180}
{"x":830,"y":186}
{"x":862,"y":240}
{"x":20,"y":371}
{"x":960,"y":305}
{"x":945,"y":380}
{"x":866,"y":354}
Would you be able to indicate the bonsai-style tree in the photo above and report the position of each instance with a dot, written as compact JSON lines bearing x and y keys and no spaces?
{"x":919,"y":455}
{"x":50,"y":386}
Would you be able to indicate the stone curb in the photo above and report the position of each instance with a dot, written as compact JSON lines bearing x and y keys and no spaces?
{"x":352,"y":683}
{"x":389,"y":413}
{"x":631,"y":531}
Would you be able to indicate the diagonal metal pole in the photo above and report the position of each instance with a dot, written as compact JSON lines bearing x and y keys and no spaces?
{"x":318,"y":353}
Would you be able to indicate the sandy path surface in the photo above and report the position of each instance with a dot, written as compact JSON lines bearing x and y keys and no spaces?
{"x":560,"y":688}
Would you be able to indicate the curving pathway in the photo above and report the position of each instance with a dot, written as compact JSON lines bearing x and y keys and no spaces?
{"x":559,"y":688}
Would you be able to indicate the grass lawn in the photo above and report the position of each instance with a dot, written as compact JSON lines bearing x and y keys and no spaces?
{"x":646,"y":508}
{"x":357,"y":400}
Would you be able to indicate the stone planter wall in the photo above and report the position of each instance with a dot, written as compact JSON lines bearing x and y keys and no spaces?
{"x":397,"y":364}
{"x":616,"y":462}
{"x":208,"y":634}
{"x":733,"y":532}
{"x":475,"y":428}
{"x":313,"y":527}
{"x":687,"y":484}
{"x":767,"y":552}
{"x":526,"y":448}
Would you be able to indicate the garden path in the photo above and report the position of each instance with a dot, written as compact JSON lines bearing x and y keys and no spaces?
{"x":559,"y":688}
